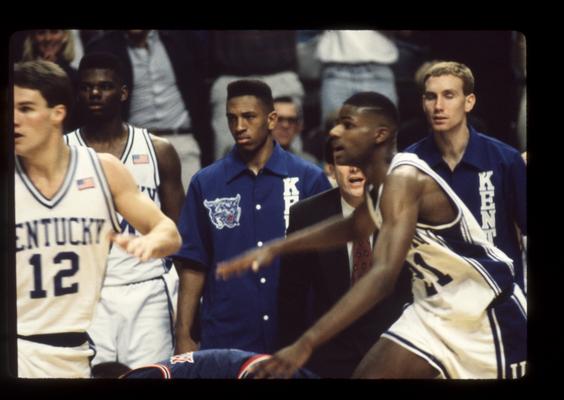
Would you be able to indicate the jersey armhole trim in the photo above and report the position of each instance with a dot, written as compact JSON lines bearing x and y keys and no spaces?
{"x":105,"y":189}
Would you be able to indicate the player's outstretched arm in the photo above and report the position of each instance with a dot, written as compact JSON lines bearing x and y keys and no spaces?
{"x":160,"y":236}
{"x":400,"y":207}
{"x":325,"y":235}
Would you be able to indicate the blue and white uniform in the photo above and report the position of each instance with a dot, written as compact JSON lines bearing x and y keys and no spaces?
{"x":491,"y":179}
{"x":134,"y":319}
{"x":229,"y":210}
{"x":61,"y":250}
{"x":468,"y":318}
{"x":208,"y":364}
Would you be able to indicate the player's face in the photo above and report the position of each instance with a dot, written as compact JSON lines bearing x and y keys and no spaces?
{"x":445,"y":104}
{"x":249,"y":122}
{"x":351,"y":181}
{"x":100,"y":94}
{"x":34,"y":120}
{"x":351,"y":136}
{"x":288,"y":124}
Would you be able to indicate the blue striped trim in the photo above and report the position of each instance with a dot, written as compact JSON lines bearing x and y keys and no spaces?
{"x":63,"y":190}
{"x":128,"y":144}
{"x":431,"y":236}
{"x":516,"y":300}
{"x":485,"y":274}
{"x":432,"y":360}
{"x":80,"y":138}
{"x":108,"y":198}
{"x":497,"y":343}
{"x":153,"y":156}
{"x":170,"y":310}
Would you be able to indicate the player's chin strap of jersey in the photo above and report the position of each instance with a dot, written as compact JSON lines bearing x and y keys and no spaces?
{"x":68,"y":339}
{"x":246,"y":371}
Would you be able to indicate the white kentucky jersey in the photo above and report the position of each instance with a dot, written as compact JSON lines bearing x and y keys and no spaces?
{"x":456,"y":271}
{"x":140,"y":159}
{"x":62,"y":244}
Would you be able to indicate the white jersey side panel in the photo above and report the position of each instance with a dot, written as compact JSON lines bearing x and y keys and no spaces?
{"x":456,"y":271}
{"x":62,"y":247}
{"x":140,"y":159}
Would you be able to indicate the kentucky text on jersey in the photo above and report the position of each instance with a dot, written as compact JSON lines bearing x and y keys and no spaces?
{"x":48,"y":232}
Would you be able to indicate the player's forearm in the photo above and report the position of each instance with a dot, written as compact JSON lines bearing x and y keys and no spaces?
{"x":165,"y":238}
{"x":191,"y":284}
{"x":325,"y":235}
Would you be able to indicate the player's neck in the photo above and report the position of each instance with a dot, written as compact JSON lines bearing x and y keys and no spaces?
{"x":256,"y":160}
{"x":452,"y":144}
{"x":377,"y":168}
{"x":48,"y":166}
{"x":104,"y":131}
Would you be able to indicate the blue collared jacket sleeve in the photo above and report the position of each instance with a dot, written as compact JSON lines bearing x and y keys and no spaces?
{"x":194,"y":227}
{"x":318,"y":184}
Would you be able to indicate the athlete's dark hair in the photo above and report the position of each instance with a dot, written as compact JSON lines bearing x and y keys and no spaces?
{"x":47,"y":78}
{"x":377,"y":103}
{"x":252,"y":87}
{"x":102,"y":61}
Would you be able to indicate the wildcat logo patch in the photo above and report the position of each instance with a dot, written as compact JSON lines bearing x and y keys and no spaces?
{"x":224,"y":211}
{"x":181,"y":358}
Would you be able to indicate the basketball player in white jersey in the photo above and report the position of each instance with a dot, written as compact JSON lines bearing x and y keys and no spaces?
{"x":64,"y":222}
{"x":468,"y":318}
{"x":134,"y":319}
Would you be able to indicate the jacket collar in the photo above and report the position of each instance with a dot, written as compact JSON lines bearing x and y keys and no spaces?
{"x":473,"y":155}
{"x":276,"y":164}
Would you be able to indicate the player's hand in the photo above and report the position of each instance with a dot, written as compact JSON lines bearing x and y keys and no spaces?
{"x":285,"y":363}
{"x":139,"y":246}
{"x":252,"y":259}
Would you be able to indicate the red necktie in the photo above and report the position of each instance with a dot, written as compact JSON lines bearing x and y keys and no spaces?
{"x":362,"y":259}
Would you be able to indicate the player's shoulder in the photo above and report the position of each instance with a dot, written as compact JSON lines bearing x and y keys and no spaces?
{"x":114,"y":170}
{"x":210,"y":173}
{"x":415,"y":147}
{"x":497,"y":147}
{"x":409,"y":169}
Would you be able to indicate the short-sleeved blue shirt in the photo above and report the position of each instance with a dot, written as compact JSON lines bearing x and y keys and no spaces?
{"x":227,"y":211}
{"x":491,"y":179}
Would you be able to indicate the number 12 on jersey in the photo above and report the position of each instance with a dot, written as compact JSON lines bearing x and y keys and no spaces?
{"x":36,"y":262}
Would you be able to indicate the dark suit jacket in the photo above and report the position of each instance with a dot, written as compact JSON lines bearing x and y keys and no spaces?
{"x":311,"y":283}
{"x":187,"y":54}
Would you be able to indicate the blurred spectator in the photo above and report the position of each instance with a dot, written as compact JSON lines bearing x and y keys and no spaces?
{"x":520,"y":68}
{"x":309,"y":71}
{"x":289,"y":125}
{"x":254,"y":54}
{"x":355,"y":61}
